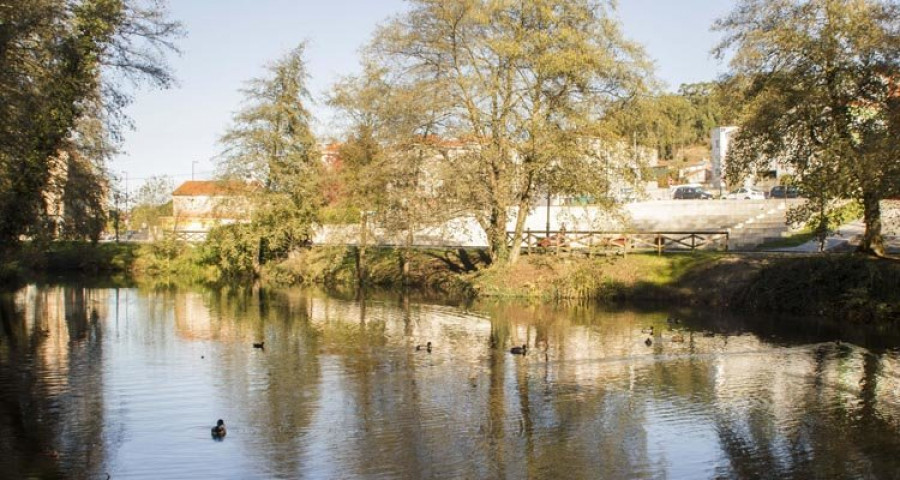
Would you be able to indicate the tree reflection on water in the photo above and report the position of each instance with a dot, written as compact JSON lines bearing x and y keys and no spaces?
{"x":102,"y":380}
{"x":51,"y":400}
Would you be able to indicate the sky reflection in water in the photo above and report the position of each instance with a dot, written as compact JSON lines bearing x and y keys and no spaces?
{"x":128,"y":382}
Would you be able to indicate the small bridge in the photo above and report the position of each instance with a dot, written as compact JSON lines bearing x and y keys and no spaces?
{"x":601,"y":242}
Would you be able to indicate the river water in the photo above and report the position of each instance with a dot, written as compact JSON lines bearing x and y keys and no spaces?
{"x":127,"y":382}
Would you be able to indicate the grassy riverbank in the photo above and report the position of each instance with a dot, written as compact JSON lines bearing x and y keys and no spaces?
{"x":156,"y":262}
{"x":442,"y":270}
{"x":64,"y":258}
{"x":844,"y":287}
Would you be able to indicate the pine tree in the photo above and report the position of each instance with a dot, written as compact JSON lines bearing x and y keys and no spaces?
{"x":271,"y":148}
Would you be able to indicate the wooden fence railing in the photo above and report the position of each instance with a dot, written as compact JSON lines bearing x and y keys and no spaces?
{"x":597,"y":242}
{"x":190,"y":236}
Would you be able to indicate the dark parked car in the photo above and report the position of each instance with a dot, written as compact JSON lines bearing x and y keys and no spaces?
{"x":782,"y":191}
{"x":691,"y":193}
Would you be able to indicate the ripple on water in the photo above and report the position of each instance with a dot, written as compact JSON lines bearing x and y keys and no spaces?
{"x":341,"y":393}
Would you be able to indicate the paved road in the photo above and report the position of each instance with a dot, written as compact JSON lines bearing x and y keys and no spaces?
{"x":846,"y":239}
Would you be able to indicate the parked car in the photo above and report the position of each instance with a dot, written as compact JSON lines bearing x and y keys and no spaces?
{"x":784,"y":191}
{"x":691,"y":193}
{"x":627,"y":195}
{"x":745,"y":193}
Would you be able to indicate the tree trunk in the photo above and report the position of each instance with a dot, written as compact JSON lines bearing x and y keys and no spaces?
{"x":521,"y":215}
{"x":257,"y":258}
{"x":872,"y":242}
{"x":407,"y":253}
{"x":496,"y":233}
{"x":361,"y":266}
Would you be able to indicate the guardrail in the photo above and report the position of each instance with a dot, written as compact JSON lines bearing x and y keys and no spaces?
{"x":590,"y":242}
{"x":596,"y":242}
{"x":190,"y":236}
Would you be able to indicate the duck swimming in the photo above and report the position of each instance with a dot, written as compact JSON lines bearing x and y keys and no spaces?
{"x":519,"y":350}
{"x":219,"y":430}
{"x":648,"y":342}
{"x":648,"y":330}
{"x":678,"y":338}
{"x":427,"y":347}
{"x":259,"y":345}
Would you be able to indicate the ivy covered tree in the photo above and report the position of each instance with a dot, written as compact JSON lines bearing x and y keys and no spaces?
{"x":822,"y":81}
{"x":61,"y":90}
{"x":271,"y":148}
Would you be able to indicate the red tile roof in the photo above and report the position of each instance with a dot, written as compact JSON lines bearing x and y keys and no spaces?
{"x":207,"y":188}
{"x":332,"y":148}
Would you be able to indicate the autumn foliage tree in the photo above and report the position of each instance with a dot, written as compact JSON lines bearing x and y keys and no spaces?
{"x":385,"y":142}
{"x":524,"y":86}
{"x":822,"y":81}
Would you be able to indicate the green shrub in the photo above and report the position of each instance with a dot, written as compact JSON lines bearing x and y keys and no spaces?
{"x":233,"y":250}
{"x":321,"y":265}
{"x":171,"y":261}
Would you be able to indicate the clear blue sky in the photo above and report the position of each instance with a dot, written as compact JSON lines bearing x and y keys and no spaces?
{"x":230,"y":41}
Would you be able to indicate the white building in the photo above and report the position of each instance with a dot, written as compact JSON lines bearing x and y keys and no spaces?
{"x":198,"y":206}
{"x":766,"y":176}
{"x":721,"y":141}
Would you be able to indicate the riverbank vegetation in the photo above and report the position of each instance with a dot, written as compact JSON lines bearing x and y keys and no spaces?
{"x":35,"y":260}
{"x":844,"y":287}
{"x":849,"y":287}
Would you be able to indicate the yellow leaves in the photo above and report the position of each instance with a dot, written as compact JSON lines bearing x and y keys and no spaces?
{"x":525,"y":80}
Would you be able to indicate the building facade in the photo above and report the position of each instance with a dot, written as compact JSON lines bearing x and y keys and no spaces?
{"x":198,"y":206}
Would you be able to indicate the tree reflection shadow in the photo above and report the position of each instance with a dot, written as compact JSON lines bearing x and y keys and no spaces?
{"x":51,"y":395}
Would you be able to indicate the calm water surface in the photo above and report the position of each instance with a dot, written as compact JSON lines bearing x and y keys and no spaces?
{"x":128,"y":382}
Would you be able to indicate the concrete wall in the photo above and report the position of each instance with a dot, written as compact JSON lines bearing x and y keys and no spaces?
{"x":890,"y":217}
{"x":749,"y":221}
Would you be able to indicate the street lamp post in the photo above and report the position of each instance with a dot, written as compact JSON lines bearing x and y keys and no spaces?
{"x":125,"y":173}
{"x":548,"y":212}
{"x":116,"y":197}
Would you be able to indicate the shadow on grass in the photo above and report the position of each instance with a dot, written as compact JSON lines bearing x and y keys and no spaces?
{"x":461,"y":260}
